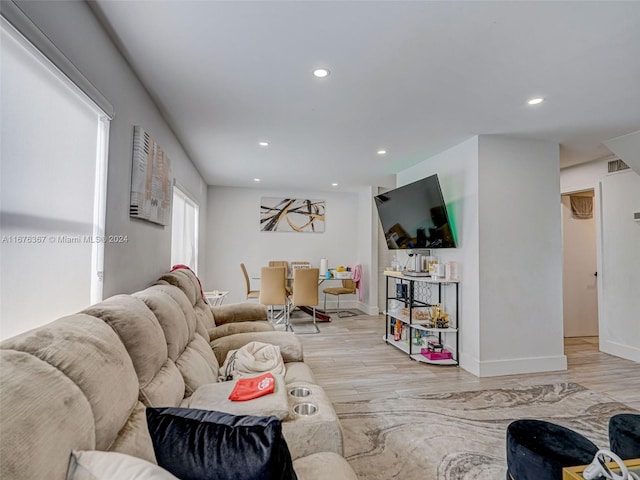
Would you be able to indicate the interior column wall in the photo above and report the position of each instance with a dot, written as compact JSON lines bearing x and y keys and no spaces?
{"x":520,"y":254}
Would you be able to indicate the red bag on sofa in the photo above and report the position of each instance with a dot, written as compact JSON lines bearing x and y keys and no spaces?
{"x":254,"y":387}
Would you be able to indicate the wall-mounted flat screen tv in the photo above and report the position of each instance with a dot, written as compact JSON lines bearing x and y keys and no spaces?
{"x":415,"y":216}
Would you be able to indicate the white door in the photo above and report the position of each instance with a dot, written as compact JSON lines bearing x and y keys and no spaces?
{"x":579,"y":272}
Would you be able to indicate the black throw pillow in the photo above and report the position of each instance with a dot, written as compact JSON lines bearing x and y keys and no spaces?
{"x":204,"y":444}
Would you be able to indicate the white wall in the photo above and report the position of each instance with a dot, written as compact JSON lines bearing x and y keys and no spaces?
{"x":75,"y":31}
{"x":619,"y":265}
{"x":504,"y":197}
{"x":584,"y":176}
{"x":234,"y":237}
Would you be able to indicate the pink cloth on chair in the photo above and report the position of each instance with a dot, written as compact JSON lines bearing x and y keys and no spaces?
{"x":356,"y":276}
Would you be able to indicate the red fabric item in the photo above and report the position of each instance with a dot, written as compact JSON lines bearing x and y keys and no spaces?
{"x":254,"y":387}
{"x":178,"y":267}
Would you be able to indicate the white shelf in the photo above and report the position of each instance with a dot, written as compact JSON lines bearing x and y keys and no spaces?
{"x":400,"y":275}
{"x":398,"y":315}
{"x":400,"y":344}
{"x":428,"y":329}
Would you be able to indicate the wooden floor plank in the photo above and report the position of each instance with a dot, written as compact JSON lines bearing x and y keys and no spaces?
{"x":351,"y":362}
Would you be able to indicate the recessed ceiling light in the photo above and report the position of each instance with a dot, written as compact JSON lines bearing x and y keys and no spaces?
{"x":382,"y":152}
{"x":535,"y":101}
{"x":263,"y":144}
{"x":334,"y":184}
{"x":256,"y":179}
{"x":321,"y":72}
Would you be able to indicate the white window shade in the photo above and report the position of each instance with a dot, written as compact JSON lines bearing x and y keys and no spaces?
{"x":184,"y":230}
{"x":53,"y":176}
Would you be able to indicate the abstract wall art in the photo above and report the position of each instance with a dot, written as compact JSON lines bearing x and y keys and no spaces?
{"x":291,"y":215}
{"x":151,"y":180}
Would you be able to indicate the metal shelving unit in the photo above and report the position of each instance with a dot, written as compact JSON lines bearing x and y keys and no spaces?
{"x":421,"y":292}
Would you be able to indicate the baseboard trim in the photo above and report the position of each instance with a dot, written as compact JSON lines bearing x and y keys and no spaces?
{"x":620,"y":350}
{"x":514,"y":366}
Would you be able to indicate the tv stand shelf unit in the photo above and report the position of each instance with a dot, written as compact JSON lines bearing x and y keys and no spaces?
{"x":416,"y":295}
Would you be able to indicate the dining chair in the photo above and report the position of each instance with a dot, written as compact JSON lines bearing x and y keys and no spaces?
{"x":348,"y":288}
{"x":273,"y":291}
{"x":305,"y":292}
{"x":285,"y":264}
{"x":251,"y":294}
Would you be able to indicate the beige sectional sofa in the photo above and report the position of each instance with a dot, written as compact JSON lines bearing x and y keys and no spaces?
{"x":83,"y":382}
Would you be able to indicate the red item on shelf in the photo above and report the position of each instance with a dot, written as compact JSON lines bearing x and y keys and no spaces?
{"x":254,"y":387}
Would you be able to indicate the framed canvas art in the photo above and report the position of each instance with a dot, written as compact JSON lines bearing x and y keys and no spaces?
{"x":151,"y":181}
{"x":291,"y":215}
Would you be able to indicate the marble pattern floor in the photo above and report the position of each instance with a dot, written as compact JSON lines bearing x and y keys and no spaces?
{"x":461,"y":435}
{"x":397,"y":412}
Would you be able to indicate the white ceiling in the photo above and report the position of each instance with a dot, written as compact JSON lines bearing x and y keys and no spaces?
{"x":413,"y":77}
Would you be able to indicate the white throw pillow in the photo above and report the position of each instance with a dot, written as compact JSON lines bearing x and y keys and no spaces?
{"x":97,"y":465}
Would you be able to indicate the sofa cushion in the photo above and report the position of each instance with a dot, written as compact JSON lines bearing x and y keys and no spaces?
{"x":202,"y":445}
{"x":99,"y":465}
{"x":188,"y":349}
{"x":89,"y":353}
{"x":323,"y":466}
{"x":166,"y":388}
{"x":239,"y":312}
{"x":177,"y":330}
{"x":133,"y":438}
{"x":197,"y":365}
{"x":298,"y":372}
{"x":216,"y":397}
{"x":242,"y":327}
{"x":290,"y":346}
{"x":187,"y":281}
{"x":33,"y":395}
{"x":139,"y":331}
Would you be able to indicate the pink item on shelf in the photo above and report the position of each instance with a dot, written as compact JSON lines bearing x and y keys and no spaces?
{"x":443,"y":355}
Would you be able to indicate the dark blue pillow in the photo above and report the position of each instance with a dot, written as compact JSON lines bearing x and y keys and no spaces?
{"x":204,"y":444}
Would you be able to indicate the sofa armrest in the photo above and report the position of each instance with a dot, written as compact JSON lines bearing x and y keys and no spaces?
{"x":240,"y":327}
{"x":290,"y":345}
{"x":238,"y":312}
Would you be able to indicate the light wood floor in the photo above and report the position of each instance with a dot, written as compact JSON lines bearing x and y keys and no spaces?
{"x":351,"y":362}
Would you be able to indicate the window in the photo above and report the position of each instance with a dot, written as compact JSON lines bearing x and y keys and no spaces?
{"x":53,"y":188}
{"x":184,"y":230}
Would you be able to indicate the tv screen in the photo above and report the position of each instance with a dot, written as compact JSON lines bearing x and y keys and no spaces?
{"x":415,"y":216}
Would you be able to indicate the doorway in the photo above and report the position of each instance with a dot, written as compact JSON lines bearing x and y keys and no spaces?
{"x":580,"y":288}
